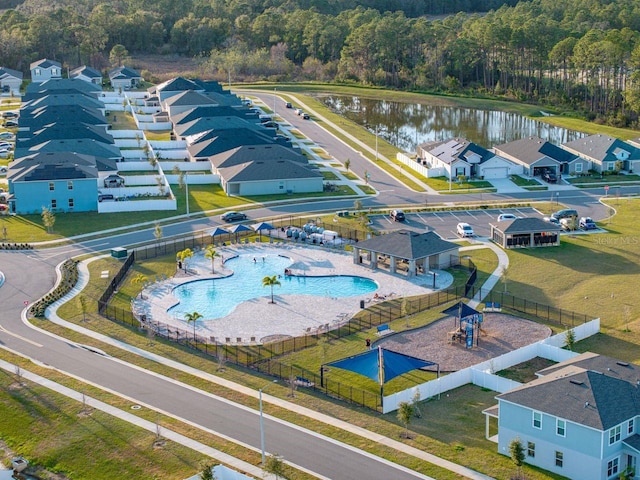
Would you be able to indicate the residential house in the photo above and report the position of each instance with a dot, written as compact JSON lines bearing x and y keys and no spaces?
{"x":536,"y":156}
{"x":265,"y":169}
{"x":606,"y":154}
{"x":185,"y":101}
{"x":45,"y":69}
{"x":61,"y":86}
{"x":206,"y":124}
{"x":77,"y":145}
{"x":87,"y":74}
{"x":37,"y":118}
{"x":10,"y":81}
{"x":219,"y":141}
{"x":525,"y":232}
{"x":63,"y":131}
{"x":124,"y":78}
{"x":579,"y":419}
{"x":172,"y":87}
{"x":62,"y":181}
{"x":459,"y":157}
{"x":214,"y":111}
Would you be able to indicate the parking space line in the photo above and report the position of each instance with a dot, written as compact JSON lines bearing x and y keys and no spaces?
{"x":471,"y":214}
{"x":454,"y":215}
{"x":438,"y":217}
{"x":488,"y":214}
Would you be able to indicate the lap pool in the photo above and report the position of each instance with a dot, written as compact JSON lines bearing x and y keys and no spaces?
{"x":217,"y":298}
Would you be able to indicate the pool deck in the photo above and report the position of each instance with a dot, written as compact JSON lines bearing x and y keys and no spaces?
{"x":257,"y":320}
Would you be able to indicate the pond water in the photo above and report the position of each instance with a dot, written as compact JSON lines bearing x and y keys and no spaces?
{"x":406,"y":125}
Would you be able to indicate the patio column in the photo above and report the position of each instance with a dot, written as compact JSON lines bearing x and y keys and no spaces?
{"x":531,"y":240}
{"x":392,"y":264}
{"x":356,"y":255}
{"x":412,"y":268}
{"x":373,"y":260}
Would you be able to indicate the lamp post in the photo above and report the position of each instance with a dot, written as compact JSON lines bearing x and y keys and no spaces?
{"x":274,"y":101}
{"x":376,"y":143}
{"x":264,"y":457}
{"x":186,"y":187}
{"x":557,"y":197}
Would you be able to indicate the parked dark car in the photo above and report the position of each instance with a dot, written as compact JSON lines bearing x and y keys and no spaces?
{"x":306,"y":116}
{"x":288,"y":105}
{"x":397,"y":215}
{"x":566,"y":213}
{"x":10,"y":124}
{"x":549,"y":177}
{"x":270,"y":124}
{"x":233,"y":216}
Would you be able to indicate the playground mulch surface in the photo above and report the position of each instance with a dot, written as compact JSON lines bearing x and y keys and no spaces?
{"x":500,"y":334}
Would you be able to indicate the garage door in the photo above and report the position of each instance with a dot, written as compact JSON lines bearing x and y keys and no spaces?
{"x":497,"y":172}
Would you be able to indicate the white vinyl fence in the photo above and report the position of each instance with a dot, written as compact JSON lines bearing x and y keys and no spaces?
{"x":482,"y":374}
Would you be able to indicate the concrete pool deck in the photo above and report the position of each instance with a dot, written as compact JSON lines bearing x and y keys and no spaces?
{"x":256,"y":320}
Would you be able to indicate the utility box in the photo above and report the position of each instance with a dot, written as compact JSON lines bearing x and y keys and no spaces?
{"x":119,"y":252}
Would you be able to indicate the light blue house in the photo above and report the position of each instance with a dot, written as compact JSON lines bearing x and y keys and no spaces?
{"x":45,"y":69}
{"x":60,"y":181}
{"x":579,"y":419}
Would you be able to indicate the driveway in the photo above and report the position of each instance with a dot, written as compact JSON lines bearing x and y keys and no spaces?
{"x":504,"y":185}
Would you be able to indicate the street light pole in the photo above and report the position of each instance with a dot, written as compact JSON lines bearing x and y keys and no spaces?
{"x":186,"y":186}
{"x":376,"y":143}
{"x":274,"y":101}
{"x":264,"y":457}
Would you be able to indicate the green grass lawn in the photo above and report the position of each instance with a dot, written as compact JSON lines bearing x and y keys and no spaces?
{"x":328,"y":175}
{"x":442,"y":184}
{"x":524,"y":182}
{"x":152,"y":136}
{"x":584,"y":274}
{"x":321,"y":153}
{"x":606,"y":179}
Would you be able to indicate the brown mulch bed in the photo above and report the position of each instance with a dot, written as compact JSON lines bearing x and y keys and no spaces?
{"x":500,"y":334}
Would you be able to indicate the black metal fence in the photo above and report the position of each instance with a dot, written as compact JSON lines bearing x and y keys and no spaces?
{"x":263,"y":357}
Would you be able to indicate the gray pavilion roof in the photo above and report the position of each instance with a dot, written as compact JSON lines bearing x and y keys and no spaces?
{"x":526,"y":225}
{"x":587,"y":397}
{"x":408,"y":244}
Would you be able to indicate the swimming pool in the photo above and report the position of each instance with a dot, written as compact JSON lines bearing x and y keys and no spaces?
{"x":216,"y":298}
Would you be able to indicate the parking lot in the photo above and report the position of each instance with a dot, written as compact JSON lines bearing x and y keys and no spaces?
{"x":444,"y":223}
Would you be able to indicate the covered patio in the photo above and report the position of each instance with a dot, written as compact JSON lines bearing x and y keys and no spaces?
{"x":406,"y":253}
{"x":525,"y":232}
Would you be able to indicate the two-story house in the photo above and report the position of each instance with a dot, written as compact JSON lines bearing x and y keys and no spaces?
{"x":606,"y":153}
{"x":578,"y":419}
{"x":10,"y":81}
{"x":45,"y":69}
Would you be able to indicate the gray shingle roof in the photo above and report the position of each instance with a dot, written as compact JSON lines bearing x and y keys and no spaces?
{"x":454,"y":149}
{"x":13,"y":73}
{"x":45,"y":63}
{"x":225,"y":140}
{"x":213,"y":123}
{"x":526,"y":225}
{"x":602,"y":148}
{"x":124,"y":72}
{"x":178,"y":84}
{"x":263,"y":170}
{"x":214,"y":111}
{"x":86,"y":147}
{"x":63,"y":131}
{"x":599,"y":363}
{"x":36,"y":118}
{"x":190,"y":98}
{"x":585,"y":397}
{"x":62,"y":85}
{"x":251,"y":153}
{"x":407,"y":244}
{"x":525,"y":150}
{"x":58,"y":166}
{"x":86,"y":71}
{"x":65,"y":99}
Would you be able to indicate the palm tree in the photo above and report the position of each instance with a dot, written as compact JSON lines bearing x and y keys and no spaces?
{"x":210,"y":252}
{"x":271,"y":282}
{"x":193,"y":318}
{"x":139,"y":279}
{"x":183,"y":256}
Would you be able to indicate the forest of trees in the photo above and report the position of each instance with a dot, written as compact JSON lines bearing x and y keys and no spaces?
{"x":577,"y":54}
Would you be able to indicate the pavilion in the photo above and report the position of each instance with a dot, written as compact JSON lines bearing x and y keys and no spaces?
{"x":525,"y":232}
{"x":406,"y":252}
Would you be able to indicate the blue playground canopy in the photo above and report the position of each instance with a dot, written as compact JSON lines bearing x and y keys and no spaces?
{"x":381,"y":365}
{"x":461,"y":310}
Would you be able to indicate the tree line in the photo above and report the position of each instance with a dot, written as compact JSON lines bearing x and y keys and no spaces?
{"x":578,"y":54}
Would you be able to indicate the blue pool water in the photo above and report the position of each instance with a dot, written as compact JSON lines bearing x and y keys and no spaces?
{"x":218,"y":297}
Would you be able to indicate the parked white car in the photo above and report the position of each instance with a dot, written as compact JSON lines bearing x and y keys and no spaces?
{"x":503,"y":217}
{"x":465,"y":230}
